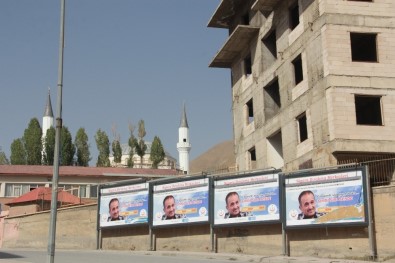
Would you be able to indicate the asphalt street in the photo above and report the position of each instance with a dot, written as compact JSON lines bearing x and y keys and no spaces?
{"x":100,"y":256}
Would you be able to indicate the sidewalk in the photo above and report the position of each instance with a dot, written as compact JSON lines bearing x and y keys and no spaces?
{"x":98,"y":256}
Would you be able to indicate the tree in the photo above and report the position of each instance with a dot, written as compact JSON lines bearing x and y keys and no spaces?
{"x":116,"y":146}
{"x":33,"y":142}
{"x":18,"y":152}
{"x":103,"y":145}
{"x":49,"y":147}
{"x":117,"y":151}
{"x":157,"y":152}
{"x":131,"y":143}
{"x":67,"y":147}
{"x":82,"y":147}
{"x":139,"y":144}
{"x":3,"y":158}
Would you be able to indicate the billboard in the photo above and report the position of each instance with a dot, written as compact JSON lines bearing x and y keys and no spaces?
{"x":333,"y":197}
{"x":246,"y":199}
{"x":180,"y":202}
{"x":124,"y":205}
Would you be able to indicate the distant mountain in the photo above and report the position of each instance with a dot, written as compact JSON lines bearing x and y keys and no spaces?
{"x":218,"y":157}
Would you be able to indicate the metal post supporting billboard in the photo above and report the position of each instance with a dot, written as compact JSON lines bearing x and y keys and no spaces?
{"x":372,"y":243}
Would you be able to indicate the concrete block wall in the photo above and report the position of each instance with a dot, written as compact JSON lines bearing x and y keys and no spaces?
{"x":323,"y":40}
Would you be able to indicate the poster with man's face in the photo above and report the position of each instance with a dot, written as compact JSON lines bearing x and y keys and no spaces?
{"x":181,"y":202}
{"x":124,"y":205}
{"x":246,"y":199}
{"x":331,"y":198}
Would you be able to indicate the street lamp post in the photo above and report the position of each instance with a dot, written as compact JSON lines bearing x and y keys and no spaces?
{"x":55,"y":177}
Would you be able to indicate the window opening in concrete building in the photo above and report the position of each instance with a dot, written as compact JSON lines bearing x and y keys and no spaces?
{"x":270,"y":43}
{"x":368,"y":110}
{"x":294,"y":16}
{"x":247,"y":65}
{"x":275,"y":156}
{"x":252,"y":158}
{"x":250,"y":111}
{"x":363,"y":47}
{"x":302,"y":125}
{"x":272,"y":101}
{"x":245,"y":19}
{"x":298,"y":69}
{"x":306,"y":164}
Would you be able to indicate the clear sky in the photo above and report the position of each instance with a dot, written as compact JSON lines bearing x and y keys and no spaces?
{"x":124,"y":60}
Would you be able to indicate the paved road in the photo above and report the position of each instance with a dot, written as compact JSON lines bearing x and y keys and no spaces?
{"x":100,"y":256}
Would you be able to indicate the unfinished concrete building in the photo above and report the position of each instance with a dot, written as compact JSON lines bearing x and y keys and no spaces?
{"x":313,"y":81}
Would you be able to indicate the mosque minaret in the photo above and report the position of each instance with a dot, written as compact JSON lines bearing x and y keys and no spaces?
{"x":183,"y":145}
{"x":48,"y":116}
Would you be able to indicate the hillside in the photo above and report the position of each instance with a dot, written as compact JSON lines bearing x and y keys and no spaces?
{"x":217,"y":157}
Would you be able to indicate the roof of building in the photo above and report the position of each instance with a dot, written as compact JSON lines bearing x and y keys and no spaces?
{"x":64,"y":171}
{"x":45,"y":193}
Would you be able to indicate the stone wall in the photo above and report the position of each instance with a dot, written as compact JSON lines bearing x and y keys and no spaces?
{"x":76,"y":229}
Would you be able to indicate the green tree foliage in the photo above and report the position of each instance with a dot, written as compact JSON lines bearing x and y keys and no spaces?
{"x":117,"y":151}
{"x":3,"y":158}
{"x":66,"y":147}
{"x":18,"y":152}
{"x":139,"y":144}
{"x":49,"y":146}
{"x":33,"y":142}
{"x":131,"y":143}
{"x":157,"y":152}
{"x":82,"y":147}
{"x":103,"y":145}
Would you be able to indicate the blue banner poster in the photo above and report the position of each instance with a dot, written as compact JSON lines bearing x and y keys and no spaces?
{"x":246,"y":199}
{"x":124,"y":205}
{"x":181,"y":202}
{"x":325,"y":199}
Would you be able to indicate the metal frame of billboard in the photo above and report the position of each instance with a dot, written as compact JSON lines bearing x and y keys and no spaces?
{"x":246,"y":183}
{"x":128,"y":186}
{"x":330,"y":187}
{"x":186,"y":201}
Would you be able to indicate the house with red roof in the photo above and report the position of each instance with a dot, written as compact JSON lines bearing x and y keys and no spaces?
{"x":81,"y":182}
{"x":39,"y":199}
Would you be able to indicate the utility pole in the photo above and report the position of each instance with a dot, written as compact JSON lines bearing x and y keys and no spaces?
{"x":55,"y":177}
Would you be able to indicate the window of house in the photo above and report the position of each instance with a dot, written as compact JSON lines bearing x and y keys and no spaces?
{"x":247,"y":65}
{"x":294,"y":16}
{"x":12,"y":190}
{"x":298,"y":69}
{"x":368,"y":110}
{"x":270,"y":43}
{"x":77,"y":190}
{"x":363,"y":47}
{"x":250,"y":111}
{"x":302,"y":126}
{"x":93,"y":191}
{"x":272,"y":102}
